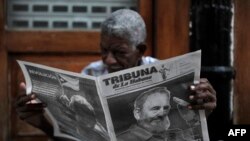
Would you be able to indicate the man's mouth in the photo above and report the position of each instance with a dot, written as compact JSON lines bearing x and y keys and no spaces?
{"x":114,"y":68}
{"x":159,"y":118}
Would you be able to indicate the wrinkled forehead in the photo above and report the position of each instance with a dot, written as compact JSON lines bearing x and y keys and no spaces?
{"x":113,"y":40}
{"x":123,"y":34}
{"x":108,"y":38}
{"x":157,"y":99}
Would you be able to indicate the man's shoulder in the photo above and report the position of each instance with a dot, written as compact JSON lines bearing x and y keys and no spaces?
{"x":95,"y":68}
{"x":148,"y":60}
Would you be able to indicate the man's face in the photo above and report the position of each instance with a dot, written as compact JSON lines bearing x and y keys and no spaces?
{"x":118,"y":54}
{"x":154,"y":113}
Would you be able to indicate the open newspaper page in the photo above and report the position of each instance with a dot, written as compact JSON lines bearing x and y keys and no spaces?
{"x":73,"y":102}
{"x":153,"y":99}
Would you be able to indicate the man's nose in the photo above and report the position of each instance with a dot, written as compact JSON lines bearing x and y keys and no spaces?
{"x":110,"y":59}
{"x":162,"y":112}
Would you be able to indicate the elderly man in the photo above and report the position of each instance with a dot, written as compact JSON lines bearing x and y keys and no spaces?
{"x":122,"y":45}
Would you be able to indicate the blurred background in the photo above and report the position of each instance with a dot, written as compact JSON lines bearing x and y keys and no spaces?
{"x":65,"y":34}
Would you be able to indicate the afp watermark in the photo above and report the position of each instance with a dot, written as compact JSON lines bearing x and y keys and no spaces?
{"x":237,"y":132}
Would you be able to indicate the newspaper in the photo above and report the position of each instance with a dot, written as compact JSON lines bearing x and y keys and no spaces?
{"x":116,"y":106}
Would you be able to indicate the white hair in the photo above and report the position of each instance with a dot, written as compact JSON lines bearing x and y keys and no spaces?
{"x":126,"y":24}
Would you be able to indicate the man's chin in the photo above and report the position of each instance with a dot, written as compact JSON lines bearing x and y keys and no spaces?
{"x":156,"y":126}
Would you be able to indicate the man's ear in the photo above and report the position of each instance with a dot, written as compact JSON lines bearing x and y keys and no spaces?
{"x":137,"y":114}
{"x":141,"y":48}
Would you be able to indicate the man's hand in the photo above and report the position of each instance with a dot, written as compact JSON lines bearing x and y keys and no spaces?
{"x":203,"y":96}
{"x":32,"y":112}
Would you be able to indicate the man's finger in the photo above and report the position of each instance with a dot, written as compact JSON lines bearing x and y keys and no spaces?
{"x":205,"y":85}
{"x":27,"y":115}
{"x":31,"y":107}
{"x":22,"y":89}
{"x":205,"y":96}
{"x":24,"y":99}
{"x":207,"y":106}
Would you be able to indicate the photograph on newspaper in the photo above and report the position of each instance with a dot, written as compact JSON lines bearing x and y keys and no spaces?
{"x":73,"y":102}
{"x":151,"y":101}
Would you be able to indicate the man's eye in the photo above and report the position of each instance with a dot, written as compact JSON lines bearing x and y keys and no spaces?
{"x":166,"y":107}
{"x":119,"y":53}
{"x":156,"y":108}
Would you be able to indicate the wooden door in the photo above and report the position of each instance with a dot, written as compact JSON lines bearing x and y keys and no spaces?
{"x":171,"y":28}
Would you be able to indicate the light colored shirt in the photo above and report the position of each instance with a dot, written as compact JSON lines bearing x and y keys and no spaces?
{"x":98,"y":68}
